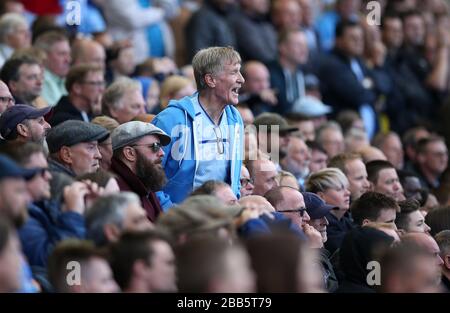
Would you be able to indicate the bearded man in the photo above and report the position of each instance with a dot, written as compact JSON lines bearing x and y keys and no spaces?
{"x":137,"y":158}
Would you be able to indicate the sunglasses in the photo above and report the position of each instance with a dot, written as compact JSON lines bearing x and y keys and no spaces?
{"x":42,"y":171}
{"x":154,"y":147}
{"x":301,"y":211}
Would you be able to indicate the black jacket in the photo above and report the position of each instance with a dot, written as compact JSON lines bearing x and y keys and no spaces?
{"x":340,"y":87}
{"x":63,"y":111}
{"x":359,"y":247}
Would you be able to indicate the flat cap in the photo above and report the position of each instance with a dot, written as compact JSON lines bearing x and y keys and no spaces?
{"x":274,"y":119}
{"x":130,"y":132}
{"x":72,"y":132}
{"x":198,"y":214}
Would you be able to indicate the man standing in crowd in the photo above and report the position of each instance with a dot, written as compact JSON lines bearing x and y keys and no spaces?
{"x":206,"y":129}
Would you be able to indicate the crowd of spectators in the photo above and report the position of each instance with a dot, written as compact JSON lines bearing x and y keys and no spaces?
{"x":224,"y":146}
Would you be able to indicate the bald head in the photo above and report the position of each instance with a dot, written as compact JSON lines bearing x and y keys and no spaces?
{"x":264,"y":173}
{"x":286,"y":14}
{"x":257,"y":202}
{"x":426,"y":242}
{"x":370,"y":153}
{"x":257,"y":77}
{"x":88,"y":51}
{"x":5,"y":93}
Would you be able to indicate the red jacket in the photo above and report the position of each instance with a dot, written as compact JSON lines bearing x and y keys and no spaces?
{"x":128,"y":181}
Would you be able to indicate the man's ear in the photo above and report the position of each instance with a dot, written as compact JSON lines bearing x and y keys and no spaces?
{"x":210,"y":81}
{"x":446,"y":259}
{"x":371,"y":186}
{"x":129,"y":154}
{"x":12,"y":85}
{"x":365,"y":222}
{"x":76,"y":88}
{"x":401,"y":232}
{"x":139,"y":268}
{"x":23,"y":130}
{"x":112,"y":232}
{"x":65,"y":154}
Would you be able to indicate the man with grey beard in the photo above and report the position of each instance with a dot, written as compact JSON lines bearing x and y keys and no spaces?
{"x":137,"y":157}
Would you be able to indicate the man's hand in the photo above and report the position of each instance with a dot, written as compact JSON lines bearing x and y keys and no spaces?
{"x":269,"y":96}
{"x":74,"y":197}
{"x":80,"y":195}
{"x":314,"y":236}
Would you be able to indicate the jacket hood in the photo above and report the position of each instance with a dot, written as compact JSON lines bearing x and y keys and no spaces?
{"x":185,"y":104}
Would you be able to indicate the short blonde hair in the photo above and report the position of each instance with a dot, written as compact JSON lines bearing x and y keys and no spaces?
{"x":327,"y":178}
{"x":284,"y":174}
{"x":211,"y":61}
{"x":171,"y":86}
{"x":107,"y":122}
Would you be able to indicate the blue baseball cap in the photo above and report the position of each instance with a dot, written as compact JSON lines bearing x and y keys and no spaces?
{"x":16,"y":114}
{"x":315,"y":206}
{"x":10,"y":169}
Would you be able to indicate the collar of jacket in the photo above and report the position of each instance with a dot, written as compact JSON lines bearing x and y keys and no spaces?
{"x":129,"y":177}
{"x":64,"y":104}
{"x":55,"y":166}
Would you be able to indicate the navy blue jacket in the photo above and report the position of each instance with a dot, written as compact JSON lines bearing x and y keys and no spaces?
{"x":340,"y":87}
{"x":336,"y":231}
{"x":45,"y":227}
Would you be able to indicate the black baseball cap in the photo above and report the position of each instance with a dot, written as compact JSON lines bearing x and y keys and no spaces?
{"x":16,"y":114}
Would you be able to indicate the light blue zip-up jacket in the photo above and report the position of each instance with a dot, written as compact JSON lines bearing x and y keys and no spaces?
{"x":180,"y":160}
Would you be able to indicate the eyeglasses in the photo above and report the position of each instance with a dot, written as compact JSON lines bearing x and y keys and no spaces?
{"x":94,"y":83}
{"x":7,"y":99}
{"x":246,"y":181}
{"x":220,"y":145}
{"x":301,"y":211}
{"x":152,"y":146}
